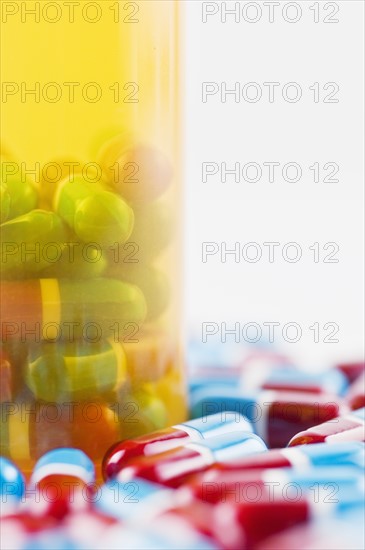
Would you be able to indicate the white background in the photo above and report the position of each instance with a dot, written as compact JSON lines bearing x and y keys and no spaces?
{"x":305,"y":212}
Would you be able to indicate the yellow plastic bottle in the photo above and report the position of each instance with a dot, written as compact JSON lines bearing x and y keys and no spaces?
{"x":90,"y":141}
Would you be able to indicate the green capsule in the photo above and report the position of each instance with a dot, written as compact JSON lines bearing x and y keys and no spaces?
{"x":153,"y":283}
{"x":4,"y":202}
{"x":106,"y":303}
{"x":78,"y":370}
{"x":23,"y":196}
{"x":141,"y":411}
{"x":67,"y":309}
{"x":94,"y":214}
{"x":77,"y":261}
{"x":31,"y":242}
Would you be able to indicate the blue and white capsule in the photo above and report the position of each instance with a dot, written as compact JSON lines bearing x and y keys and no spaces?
{"x":12,"y":486}
{"x":64,"y":462}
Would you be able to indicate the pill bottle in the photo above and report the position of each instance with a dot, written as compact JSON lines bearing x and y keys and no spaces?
{"x":90,"y":224}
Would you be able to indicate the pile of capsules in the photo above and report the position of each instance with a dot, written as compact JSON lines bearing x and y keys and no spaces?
{"x":82,"y":295}
{"x":273,"y":458}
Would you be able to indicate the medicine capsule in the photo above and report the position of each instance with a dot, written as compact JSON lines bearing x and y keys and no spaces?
{"x":23,"y":195}
{"x":4,"y":202}
{"x":214,"y":486}
{"x":28,"y":430}
{"x":60,"y":477}
{"x":28,"y":243}
{"x":95,"y":215}
{"x":77,"y":370}
{"x":153,"y":283}
{"x":170,"y":438}
{"x":291,"y":379}
{"x":301,"y":457}
{"x":348,"y":427}
{"x":356,"y":394}
{"x":77,"y":261}
{"x":276,"y":415}
{"x":51,"y":309}
{"x":244,"y":524}
{"x":351,"y":370}
{"x":171,"y":468}
{"x":138,"y":172}
{"x":12,"y":486}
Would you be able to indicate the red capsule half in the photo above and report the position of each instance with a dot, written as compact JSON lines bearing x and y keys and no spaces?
{"x":356,"y":394}
{"x":170,"y":438}
{"x":173,"y":467}
{"x":344,"y":428}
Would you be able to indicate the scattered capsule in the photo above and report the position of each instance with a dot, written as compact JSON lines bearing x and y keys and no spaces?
{"x":348,"y":427}
{"x":48,"y":309}
{"x":77,"y":370}
{"x":23,"y":196}
{"x":12,"y":486}
{"x":95,"y":215}
{"x":356,"y":394}
{"x":30,"y":243}
{"x":170,"y":438}
{"x":291,"y":379}
{"x":171,"y":468}
{"x":302,"y":458}
{"x":60,"y":477}
{"x":246,"y":523}
{"x":248,"y":373}
{"x":138,"y":172}
{"x":214,"y":486}
{"x":276,"y":415}
{"x":30,"y":429}
{"x":351,"y":370}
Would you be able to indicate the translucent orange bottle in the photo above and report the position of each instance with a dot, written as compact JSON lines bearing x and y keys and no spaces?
{"x":90,"y":186}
